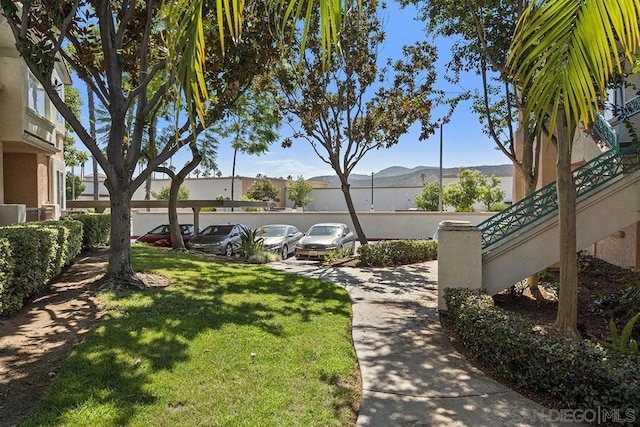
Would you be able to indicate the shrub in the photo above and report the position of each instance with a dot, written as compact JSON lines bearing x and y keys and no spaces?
{"x":6,"y":268}
{"x":577,"y":372}
{"x":397,"y":252}
{"x":34,"y":251}
{"x":335,"y":254}
{"x":263,"y":257}
{"x":95,"y":228}
{"x":69,"y":234}
{"x":250,"y":242}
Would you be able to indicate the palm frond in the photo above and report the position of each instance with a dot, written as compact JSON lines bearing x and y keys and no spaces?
{"x":564,"y":52}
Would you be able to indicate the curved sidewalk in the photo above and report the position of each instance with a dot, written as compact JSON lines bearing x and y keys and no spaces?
{"x":411,"y":375}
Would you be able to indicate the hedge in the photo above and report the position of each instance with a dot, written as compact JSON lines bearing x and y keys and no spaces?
{"x":390,"y":253}
{"x":31,"y":255}
{"x":579,"y":373}
{"x":95,"y":228}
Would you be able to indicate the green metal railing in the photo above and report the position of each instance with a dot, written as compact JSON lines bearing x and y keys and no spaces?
{"x":538,"y":205}
{"x":606,"y":132}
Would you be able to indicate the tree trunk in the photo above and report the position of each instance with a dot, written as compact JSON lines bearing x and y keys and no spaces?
{"x":529,"y":172}
{"x":92,"y":132}
{"x":352,"y":211}
{"x":177,"y":243}
{"x":566,"y":320}
{"x":120,"y":269}
{"x":233,"y":174}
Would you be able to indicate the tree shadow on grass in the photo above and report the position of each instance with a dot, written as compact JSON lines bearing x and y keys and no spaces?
{"x":148,"y":332}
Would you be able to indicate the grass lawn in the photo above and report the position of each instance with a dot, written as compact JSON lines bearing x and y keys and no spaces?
{"x":225,"y":345}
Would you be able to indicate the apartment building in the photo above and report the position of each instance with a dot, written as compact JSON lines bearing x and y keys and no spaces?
{"x":32,"y":169}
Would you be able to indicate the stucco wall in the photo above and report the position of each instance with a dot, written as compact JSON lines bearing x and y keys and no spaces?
{"x":11,"y":99}
{"x":21,"y":178}
{"x":620,"y":247}
{"x":323,"y":199}
{"x":376,"y":225}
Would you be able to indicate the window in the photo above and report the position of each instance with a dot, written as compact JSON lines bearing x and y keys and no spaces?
{"x":60,"y":189}
{"x":36,"y":97}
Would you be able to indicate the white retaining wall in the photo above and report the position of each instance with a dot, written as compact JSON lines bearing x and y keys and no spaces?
{"x":376,"y":225}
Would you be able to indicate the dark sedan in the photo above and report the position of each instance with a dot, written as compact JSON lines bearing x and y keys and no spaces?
{"x":161,"y":236}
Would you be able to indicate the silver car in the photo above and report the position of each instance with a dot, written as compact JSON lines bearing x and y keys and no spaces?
{"x":279,"y":238}
{"x":324,"y":237}
{"x":221,"y":239}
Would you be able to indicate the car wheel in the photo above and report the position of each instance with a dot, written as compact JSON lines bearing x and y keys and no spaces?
{"x":285,"y":252}
{"x":228,"y":251}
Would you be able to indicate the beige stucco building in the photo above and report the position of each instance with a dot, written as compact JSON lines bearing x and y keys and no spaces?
{"x":32,"y":169}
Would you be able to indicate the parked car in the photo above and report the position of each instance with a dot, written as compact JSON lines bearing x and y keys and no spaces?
{"x":220,"y":239}
{"x":321,"y":238}
{"x":280,"y":238}
{"x":161,"y":236}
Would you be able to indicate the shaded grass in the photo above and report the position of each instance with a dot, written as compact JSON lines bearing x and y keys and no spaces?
{"x":225,"y":344}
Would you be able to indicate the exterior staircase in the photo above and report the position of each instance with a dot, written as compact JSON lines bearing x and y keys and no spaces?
{"x":524,"y":238}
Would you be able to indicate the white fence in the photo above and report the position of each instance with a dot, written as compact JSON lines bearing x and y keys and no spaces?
{"x":376,"y":225}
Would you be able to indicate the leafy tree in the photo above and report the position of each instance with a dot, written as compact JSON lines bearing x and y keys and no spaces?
{"x":73,"y":186}
{"x":263,"y":190}
{"x":479,"y":29}
{"x":463,"y":194}
{"x":563,"y":54}
{"x":298,"y":192}
{"x":130,"y":54}
{"x":490,"y":193}
{"x":163,"y":194}
{"x":429,"y":199}
{"x":481,"y":46}
{"x":246,"y":198}
{"x":252,"y":125}
{"x":334,"y":101}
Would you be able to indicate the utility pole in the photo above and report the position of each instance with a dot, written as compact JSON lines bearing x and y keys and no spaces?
{"x":372,"y":191}
{"x":440,"y":174}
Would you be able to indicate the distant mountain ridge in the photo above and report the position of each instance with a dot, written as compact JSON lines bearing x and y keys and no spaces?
{"x":400,"y":176}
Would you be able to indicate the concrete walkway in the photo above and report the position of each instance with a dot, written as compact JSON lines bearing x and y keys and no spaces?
{"x":411,"y":375}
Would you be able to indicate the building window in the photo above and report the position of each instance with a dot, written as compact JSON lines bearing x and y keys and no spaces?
{"x":60,"y":189}
{"x":37,"y":98}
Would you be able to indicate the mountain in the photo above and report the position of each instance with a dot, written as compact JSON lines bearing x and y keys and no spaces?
{"x":399,"y":176}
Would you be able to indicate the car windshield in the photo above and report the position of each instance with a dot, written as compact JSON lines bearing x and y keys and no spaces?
{"x":271,"y":231}
{"x":161,"y":229}
{"x":217,"y":230}
{"x":324,"y":230}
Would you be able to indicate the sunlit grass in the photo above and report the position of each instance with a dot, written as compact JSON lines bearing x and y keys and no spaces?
{"x":224,"y":345}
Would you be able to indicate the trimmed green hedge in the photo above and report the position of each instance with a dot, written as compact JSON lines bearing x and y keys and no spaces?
{"x":6,"y":267}
{"x":390,"y":253}
{"x":32,"y":254}
{"x":96,"y":228}
{"x":577,"y":372}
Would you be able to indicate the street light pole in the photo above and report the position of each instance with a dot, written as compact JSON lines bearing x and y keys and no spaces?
{"x":372,"y":191}
{"x":440,"y":174}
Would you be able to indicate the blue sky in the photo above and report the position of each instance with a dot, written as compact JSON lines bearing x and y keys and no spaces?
{"x":463,"y":140}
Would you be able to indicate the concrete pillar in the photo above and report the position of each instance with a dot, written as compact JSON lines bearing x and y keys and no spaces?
{"x":459,"y":257}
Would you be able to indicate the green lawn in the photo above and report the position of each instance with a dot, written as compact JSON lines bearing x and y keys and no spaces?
{"x":224,"y":345}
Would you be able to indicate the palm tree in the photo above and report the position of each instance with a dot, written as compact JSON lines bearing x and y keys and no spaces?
{"x":563,"y":54}
{"x":187,"y":42}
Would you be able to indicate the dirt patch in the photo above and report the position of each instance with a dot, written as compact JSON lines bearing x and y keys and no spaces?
{"x":35,"y":341}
